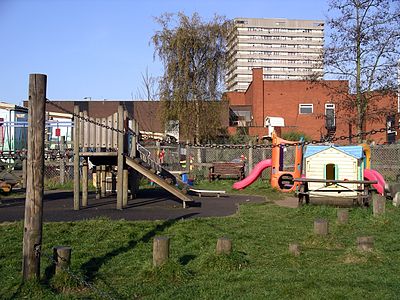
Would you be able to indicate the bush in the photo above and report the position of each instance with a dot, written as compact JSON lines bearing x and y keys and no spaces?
{"x":295,"y":136}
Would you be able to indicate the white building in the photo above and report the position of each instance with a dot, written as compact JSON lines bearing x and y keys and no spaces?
{"x":285,"y":49}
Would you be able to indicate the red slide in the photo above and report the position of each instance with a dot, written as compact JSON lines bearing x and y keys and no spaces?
{"x":254,"y":174}
{"x":370,"y":174}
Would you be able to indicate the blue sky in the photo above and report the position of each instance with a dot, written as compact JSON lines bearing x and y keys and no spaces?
{"x":100,"y":48}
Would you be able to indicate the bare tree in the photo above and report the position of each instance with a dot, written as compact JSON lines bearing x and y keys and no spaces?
{"x":364,"y":49}
{"x":148,"y":89}
{"x":194,"y":56}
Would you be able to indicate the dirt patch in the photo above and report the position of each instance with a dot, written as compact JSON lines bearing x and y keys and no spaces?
{"x":291,"y":202}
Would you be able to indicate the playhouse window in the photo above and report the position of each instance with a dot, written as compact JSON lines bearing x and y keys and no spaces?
{"x":330,"y":172}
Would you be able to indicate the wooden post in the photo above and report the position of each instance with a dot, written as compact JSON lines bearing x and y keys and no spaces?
{"x":85,"y":163}
{"x":160,"y":250}
{"x":250,"y":157}
{"x":61,"y":258}
{"x":103,"y":183}
{"x":125,"y":188}
{"x":343,"y":216}
{"x":85,"y":182}
{"x":294,"y":249}
{"x":396,"y":199}
{"x":33,"y":222}
{"x":224,"y":246}
{"x":98,"y":182}
{"x":62,"y":160}
{"x":76,"y":159}
{"x":378,"y":204}
{"x":120,"y":176}
{"x":365,"y":243}
{"x":321,"y":227}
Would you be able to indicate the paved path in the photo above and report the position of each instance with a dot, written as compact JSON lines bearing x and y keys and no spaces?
{"x":151,"y":205}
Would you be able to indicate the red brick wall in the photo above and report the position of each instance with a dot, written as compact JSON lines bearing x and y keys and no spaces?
{"x":281,"y":98}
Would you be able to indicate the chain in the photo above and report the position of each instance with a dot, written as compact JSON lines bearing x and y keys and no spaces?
{"x":76,"y":277}
{"x":224,"y":146}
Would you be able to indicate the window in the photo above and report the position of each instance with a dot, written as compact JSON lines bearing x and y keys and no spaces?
{"x":330,"y":115}
{"x":306,"y":109}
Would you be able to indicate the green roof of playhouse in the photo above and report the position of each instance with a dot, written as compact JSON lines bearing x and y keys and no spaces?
{"x":354,"y":151}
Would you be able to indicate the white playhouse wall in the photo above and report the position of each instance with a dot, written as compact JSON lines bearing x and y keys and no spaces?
{"x":347,"y":168}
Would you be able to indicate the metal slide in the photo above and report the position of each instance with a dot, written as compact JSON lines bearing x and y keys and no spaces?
{"x":158,"y":180}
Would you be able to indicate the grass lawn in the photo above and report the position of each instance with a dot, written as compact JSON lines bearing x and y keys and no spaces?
{"x":116,"y":257}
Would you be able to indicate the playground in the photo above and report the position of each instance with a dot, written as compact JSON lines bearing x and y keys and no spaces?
{"x":186,"y":238}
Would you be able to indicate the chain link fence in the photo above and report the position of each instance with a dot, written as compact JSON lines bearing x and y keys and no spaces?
{"x":53,"y":170}
{"x":384,"y":158}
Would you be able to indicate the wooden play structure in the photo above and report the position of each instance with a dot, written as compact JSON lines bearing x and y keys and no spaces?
{"x":107,"y":142}
{"x":113,"y":149}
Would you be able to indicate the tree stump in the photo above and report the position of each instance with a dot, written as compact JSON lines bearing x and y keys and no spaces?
{"x":294,"y":249}
{"x":62,"y":258}
{"x":321,"y":227}
{"x":343,"y":216}
{"x":365,"y":243}
{"x":378,"y":205}
{"x":396,"y":199}
{"x":224,"y":246}
{"x":160,"y":250}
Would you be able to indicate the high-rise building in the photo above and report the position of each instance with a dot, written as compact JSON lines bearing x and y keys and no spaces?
{"x":285,"y":49}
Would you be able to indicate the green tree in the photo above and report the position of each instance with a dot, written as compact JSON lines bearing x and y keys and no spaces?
{"x":193,"y":53}
{"x":363,"y":49}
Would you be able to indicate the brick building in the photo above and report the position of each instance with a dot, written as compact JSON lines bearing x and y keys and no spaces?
{"x":311,"y":108}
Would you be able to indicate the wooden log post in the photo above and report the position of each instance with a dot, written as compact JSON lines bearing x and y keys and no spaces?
{"x":62,"y":160}
{"x":61,"y":258}
{"x":160,"y":250}
{"x":396,"y":199}
{"x":85,"y":182}
{"x":321,"y":227}
{"x":224,"y":246}
{"x":98,"y":182}
{"x":103,"y":181}
{"x":85,"y":163}
{"x":294,"y":249}
{"x":120,"y":176}
{"x":33,"y":221}
{"x":76,"y":159}
{"x":343,"y":216}
{"x":365,"y":243}
{"x":125,"y":188}
{"x":378,"y":205}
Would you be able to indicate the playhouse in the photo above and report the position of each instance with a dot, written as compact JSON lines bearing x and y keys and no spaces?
{"x":334,"y":163}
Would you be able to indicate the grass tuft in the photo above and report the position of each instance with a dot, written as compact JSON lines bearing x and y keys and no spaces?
{"x":171,"y":272}
{"x":223,"y":262}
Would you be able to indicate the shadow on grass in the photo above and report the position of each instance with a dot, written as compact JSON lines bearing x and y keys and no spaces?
{"x":91,"y":267}
{"x":184,"y":260}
